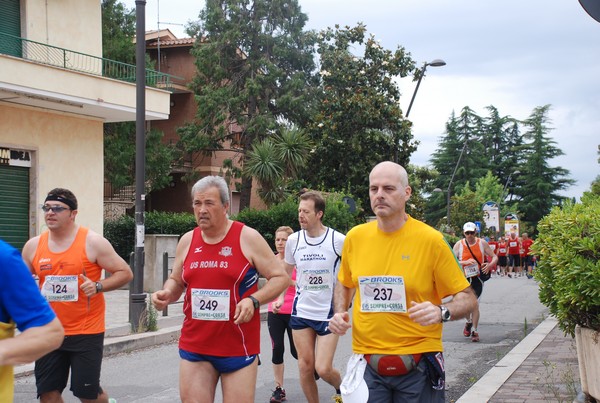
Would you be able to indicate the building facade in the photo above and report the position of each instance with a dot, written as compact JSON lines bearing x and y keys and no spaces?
{"x":172,"y":56}
{"x":56,"y":92}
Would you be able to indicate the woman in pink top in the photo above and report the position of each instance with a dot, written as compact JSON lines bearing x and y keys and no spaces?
{"x":278,"y":320}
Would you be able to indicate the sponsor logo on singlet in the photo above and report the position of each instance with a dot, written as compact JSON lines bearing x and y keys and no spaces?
{"x":226,"y":251}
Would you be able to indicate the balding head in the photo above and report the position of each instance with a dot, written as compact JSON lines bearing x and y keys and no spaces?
{"x":389,"y":192}
{"x":391,"y":170}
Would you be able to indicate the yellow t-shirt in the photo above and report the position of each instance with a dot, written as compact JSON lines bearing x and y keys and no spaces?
{"x":416,"y":256}
{"x":7,"y":330}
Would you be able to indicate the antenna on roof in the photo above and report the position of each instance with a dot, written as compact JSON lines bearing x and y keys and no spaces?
{"x":158,"y":33}
{"x":158,"y":22}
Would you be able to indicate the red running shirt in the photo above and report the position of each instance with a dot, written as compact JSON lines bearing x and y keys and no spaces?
{"x":526,"y":243}
{"x":217,"y":277}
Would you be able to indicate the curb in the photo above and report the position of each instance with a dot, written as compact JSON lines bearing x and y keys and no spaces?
{"x":490,"y":383}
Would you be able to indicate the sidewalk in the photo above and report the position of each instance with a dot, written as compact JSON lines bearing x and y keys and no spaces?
{"x":541,"y":368}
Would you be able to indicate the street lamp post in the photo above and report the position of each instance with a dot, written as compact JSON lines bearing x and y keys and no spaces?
{"x":434,"y":63}
{"x":137,"y":299}
{"x":506,"y":185}
{"x":452,"y":180}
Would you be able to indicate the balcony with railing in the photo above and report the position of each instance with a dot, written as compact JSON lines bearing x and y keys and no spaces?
{"x":80,"y":62}
{"x":43,"y":76}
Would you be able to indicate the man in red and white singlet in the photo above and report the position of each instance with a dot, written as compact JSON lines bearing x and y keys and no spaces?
{"x":217,"y":264}
{"x":514,"y":254}
{"x":502,"y":252}
{"x":527,"y":257}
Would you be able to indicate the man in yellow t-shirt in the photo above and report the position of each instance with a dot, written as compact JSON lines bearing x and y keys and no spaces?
{"x":398,"y":269}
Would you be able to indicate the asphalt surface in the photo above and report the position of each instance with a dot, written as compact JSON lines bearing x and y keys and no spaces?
{"x":144,"y":367}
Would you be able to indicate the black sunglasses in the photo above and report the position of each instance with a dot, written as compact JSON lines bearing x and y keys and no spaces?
{"x":469,"y":232}
{"x":55,"y":209}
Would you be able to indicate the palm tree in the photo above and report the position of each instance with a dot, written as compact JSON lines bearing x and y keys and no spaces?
{"x":276,"y":161}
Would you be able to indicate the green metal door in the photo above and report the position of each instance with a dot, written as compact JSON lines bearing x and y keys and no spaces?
{"x":10,"y":27}
{"x":14,"y":205}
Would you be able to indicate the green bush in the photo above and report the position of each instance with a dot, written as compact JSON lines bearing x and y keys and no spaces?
{"x":337,"y":216}
{"x":451,"y":239}
{"x":267,"y":221}
{"x":568,"y":271}
{"x":121,"y":232}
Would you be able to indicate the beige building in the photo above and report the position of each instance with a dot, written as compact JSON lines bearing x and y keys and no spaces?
{"x":56,"y":92}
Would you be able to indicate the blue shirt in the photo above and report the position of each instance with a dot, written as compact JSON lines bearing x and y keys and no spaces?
{"x":20,"y":297}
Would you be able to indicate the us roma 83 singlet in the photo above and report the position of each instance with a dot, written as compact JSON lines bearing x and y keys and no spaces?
{"x":217,"y":277}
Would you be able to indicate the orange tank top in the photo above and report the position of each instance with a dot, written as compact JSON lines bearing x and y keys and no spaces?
{"x":475,"y":249}
{"x":59,"y":275}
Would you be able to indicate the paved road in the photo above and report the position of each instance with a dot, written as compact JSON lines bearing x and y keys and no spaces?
{"x":510,"y":309}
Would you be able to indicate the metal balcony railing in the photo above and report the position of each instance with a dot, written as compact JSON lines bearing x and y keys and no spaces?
{"x":76,"y":61}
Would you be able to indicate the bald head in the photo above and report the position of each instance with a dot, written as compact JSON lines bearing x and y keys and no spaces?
{"x":391,"y":170}
{"x":388,"y":192}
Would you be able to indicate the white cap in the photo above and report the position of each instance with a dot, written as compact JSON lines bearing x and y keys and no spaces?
{"x":354,"y":388}
{"x":469,"y":226}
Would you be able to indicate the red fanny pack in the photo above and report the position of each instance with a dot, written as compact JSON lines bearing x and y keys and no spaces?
{"x":393,"y":365}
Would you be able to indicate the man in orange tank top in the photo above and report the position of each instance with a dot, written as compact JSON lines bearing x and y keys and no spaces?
{"x":471,"y":253}
{"x":68,"y":260}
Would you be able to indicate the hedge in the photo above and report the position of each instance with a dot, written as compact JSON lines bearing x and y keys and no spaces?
{"x":121,"y":232}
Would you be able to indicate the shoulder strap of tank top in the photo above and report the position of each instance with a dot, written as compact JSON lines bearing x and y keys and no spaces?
{"x":473,"y":255}
{"x":333,"y":243}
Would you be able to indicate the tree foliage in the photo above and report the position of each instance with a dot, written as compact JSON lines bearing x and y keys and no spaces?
{"x":118,"y":32}
{"x":595,"y":186}
{"x":119,"y":156}
{"x":520,"y":163}
{"x":420,"y":179}
{"x":253,"y":62}
{"x":569,"y":267}
{"x":276,"y":161}
{"x":357,"y":122}
{"x":540,"y":182}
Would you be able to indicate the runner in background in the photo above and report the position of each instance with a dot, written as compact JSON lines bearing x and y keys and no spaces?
{"x":514,"y":255}
{"x":494,"y":247}
{"x":527,"y":257}
{"x":502,"y":252}
{"x":278,"y":320}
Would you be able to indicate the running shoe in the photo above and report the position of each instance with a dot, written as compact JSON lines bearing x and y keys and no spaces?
{"x":467,"y":329}
{"x":474,"y":337}
{"x":278,"y":395}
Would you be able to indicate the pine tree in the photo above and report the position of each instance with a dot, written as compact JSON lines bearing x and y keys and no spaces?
{"x":500,"y":139}
{"x":460,"y":158}
{"x":539,"y":182}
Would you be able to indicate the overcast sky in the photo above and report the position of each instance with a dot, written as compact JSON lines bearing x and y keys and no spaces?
{"x":513,"y":54}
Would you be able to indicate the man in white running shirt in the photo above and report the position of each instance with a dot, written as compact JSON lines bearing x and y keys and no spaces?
{"x":315,"y":250}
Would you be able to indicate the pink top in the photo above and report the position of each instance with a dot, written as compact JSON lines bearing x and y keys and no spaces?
{"x":288,"y":300}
